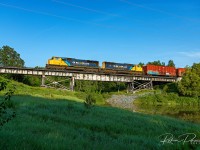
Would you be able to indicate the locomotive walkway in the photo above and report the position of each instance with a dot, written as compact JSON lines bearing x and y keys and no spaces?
{"x":80,"y":75}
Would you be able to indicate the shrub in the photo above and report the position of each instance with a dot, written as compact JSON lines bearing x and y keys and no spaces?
{"x":89,"y":101}
{"x":6,"y":112}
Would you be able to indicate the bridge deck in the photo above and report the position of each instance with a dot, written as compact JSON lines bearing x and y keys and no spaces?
{"x":85,"y":75}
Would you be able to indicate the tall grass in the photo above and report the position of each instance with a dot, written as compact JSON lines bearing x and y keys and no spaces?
{"x":64,"y":124}
{"x":157,"y":98}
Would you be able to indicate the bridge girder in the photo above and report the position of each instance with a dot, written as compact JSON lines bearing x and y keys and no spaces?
{"x":84,"y":75}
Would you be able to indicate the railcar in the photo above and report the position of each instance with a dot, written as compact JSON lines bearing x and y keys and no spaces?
{"x":121,"y":68}
{"x":180,"y":72}
{"x":72,"y":64}
{"x":159,"y":70}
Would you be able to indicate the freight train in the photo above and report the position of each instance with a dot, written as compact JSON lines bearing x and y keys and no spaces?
{"x":91,"y":66}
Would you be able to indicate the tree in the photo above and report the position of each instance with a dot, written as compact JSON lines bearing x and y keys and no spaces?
{"x":190,"y":83}
{"x":196,"y":68}
{"x":171,"y":63}
{"x":6,"y":106}
{"x":141,"y":64}
{"x":9,"y":57}
{"x":157,"y":63}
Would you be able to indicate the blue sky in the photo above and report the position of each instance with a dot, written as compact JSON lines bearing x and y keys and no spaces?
{"x":125,"y":31}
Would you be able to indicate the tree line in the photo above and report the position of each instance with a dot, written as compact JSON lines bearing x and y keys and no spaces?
{"x":159,"y":63}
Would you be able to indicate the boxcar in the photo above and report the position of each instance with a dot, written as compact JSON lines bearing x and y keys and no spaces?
{"x":159,"y":70}
{"x":180,"y":71}
{"x":170,"y":71}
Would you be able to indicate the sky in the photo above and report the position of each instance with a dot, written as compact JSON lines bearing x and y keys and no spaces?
{"x":123,"y":31}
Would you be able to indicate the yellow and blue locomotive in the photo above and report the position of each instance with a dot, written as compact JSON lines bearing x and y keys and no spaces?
{"x":61,"y":63}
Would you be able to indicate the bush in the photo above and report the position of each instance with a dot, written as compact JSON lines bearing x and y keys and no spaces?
{"x":6,"y":112}
{"x":89,"y":101}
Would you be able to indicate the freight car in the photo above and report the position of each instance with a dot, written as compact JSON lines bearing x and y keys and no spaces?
{"x":159,"y":70}
{"x":121,"y":68}
{"x":163,"y":71}
{"x":61,"y":63}
{"x":180,"y":72}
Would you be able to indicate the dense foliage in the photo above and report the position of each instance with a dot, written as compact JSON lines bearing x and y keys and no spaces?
{"x":171,"y":63}
{"x":190,"y":83}
{"x":159,"y":63}
{"x":9,"y":57}
{"x":99,"y":86}
{"x":6,"y":106}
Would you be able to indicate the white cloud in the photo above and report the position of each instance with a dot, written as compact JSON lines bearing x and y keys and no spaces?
{"x":191,"y":54}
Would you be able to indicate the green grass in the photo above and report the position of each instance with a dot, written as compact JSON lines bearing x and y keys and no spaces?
{"x":159,"y":98}
{"x":22,"y":89}
{"x":57,"y":119}
{"x":51,"y":93}
{"x":64,"y":124}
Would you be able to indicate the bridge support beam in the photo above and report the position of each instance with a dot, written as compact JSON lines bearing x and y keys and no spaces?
{"x":151,"y":85}
{"x":43,"y":81}
{"x":72,"y":83}
{"x":130,"y":87}
{"x":136,"y":86}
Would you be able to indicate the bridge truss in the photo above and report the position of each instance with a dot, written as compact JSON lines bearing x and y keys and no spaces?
{"x":75,"y":75}
{"x":137,"y":86}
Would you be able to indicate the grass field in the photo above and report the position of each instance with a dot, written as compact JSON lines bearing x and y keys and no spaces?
{"x":43,"y":123}
{"x":22,"y":89}
{"x":55,"y":119}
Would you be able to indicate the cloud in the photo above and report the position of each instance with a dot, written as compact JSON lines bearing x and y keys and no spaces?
{"x":190,"y":54}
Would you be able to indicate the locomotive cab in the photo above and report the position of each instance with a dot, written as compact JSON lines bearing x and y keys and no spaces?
{"x":56,"y":61}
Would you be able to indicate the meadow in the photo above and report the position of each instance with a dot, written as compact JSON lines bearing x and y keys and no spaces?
{"x":55,"y":119}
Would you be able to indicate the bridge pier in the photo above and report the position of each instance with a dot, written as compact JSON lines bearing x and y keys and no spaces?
{"x":43,"y":81}
{"x":151,"y":85}
{"x":130,"y":87}
{"x":72,"y":83}
{"x":178,"y":79}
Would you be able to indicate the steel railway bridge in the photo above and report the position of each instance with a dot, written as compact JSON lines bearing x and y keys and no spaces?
{"x":91,"y":76}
